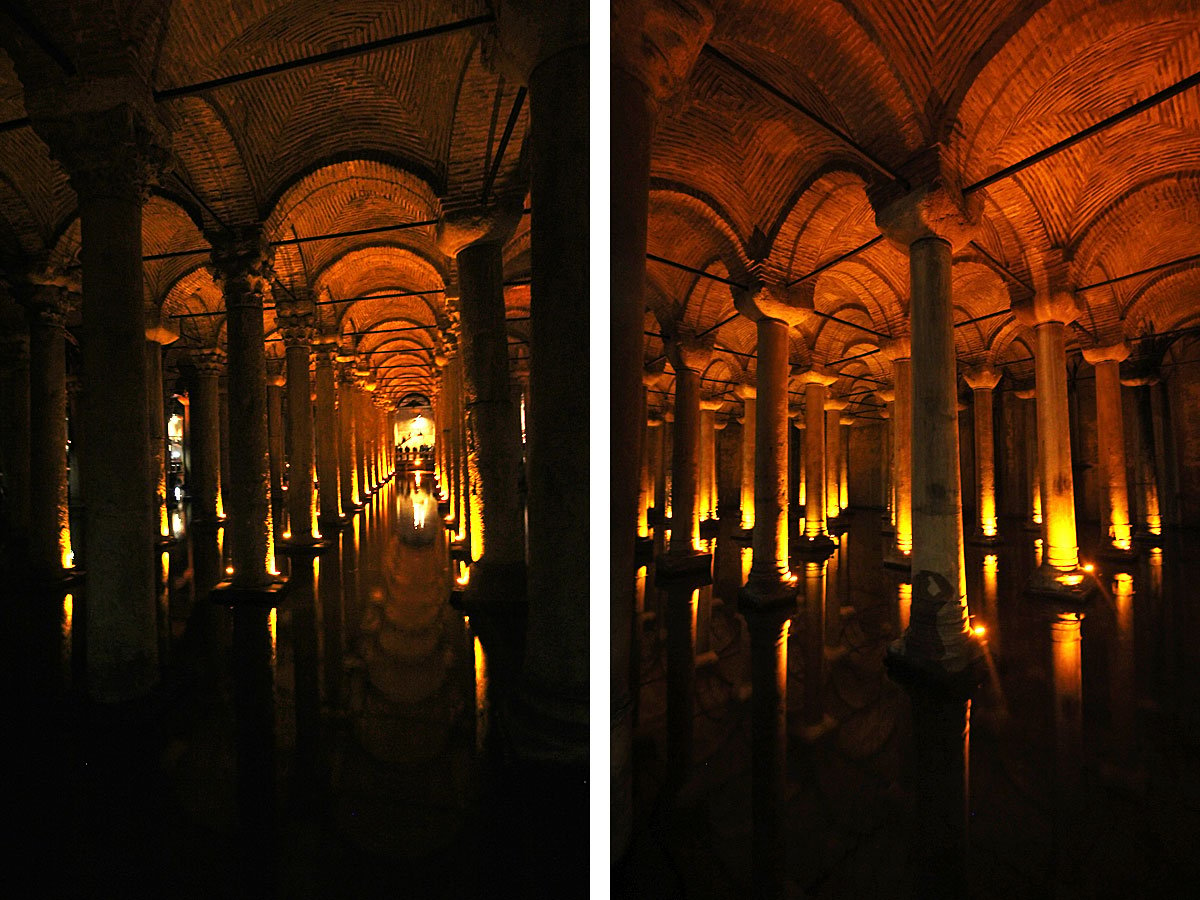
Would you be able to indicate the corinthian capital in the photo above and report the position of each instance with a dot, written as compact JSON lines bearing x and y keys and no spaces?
{"x":657,"y":41}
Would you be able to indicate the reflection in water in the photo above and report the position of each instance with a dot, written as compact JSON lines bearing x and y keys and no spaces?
{"x":1123,"y":679}
{"x":481,"y":696}
{"x":903,"y":605}
{"x":66,"y":629}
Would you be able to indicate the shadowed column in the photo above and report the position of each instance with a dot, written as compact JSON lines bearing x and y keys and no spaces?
{"x":983,"y":380}
{"x":295,"y":326}
{"x":328,"y":479}
{"x":1116,"y":528}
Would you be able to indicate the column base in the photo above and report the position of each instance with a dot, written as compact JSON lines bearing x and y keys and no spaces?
{"x":894,"y":559}
{"x":643,"y":551}
{"x":1032,"y":526}
{"x":460,"y":552}
{"x":912,"y":672}
{"x":1148,"y":539}
{"x":742,"y":535}
{"x":313,"y":547}
{"x":810,"y":734}
{"x":271,"y":594}
{"x":692,"y":564}
{"x":497,"y":607}
{"x":707,"y":658}
{"x":709,"y":528}
{"x":162,"y":542}
{"x":333,"y":524}
{"x":839,"y":524}
{"x":985,"y":540}
{"x":812,"y":549}
{"x":1069,"y":590}
{"x":887,"y":527}
{"x":1116,"y":555}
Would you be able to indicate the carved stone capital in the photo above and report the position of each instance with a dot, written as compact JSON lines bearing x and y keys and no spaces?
{"x":773,"y":299}
{"x":241,"y":264}
{"x":834,"y":404}
{"x":528,"y":32}
{"x":813,"y":375}
{"x":887,"y":395}
{"x":45,"y":304}
{"x":934,"y":208}
{"x":1026,"y":394}
{"x":745,"y":391}
{"x":1117,"y":353}
{"x":689,"y":352}
{"x":711,"y":405}
{"x":106,"y":133}
{"x":657,"y":42}
{"x":896,"y":348}
{"x":982,"y":378}
{"x":208,"y":361}
{"x":462,"y":227}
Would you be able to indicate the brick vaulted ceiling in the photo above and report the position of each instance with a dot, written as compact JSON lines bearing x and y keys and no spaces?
{"x":361,"y":142}
{"x":740,"y":177}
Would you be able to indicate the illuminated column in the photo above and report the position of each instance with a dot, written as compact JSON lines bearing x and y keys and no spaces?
{"x":240,"y":266}
{"x":223,"y":418}
{"x":1149,"y":525}
{"x":718,"y":425}
{"x":206,"y":435}
{"x":665,"y":452}
{"x":49,"y":515}
{"x":899,"y":351}
{"x":327,"y":435}
{"x":1115,"y":520}
{"x":654,"y":471}
{"x":295,"y":327}
{"x":646,"y":490}
{"x":688,"y":358}
{"x":982,"y":381}
{"x":796,"y":483}
{"x":925,"y":222}
{"x":653,"y":46}
{"x":157,"y":337}
{"x":110,"y":143}
{"x":844,"y":462}
{"x":495,"y":422}
{"x":748,"y":396}
{"x":815,"y":384}
{"x":1031,"y":461}
{"x":275,"y":384}
{"x":1048,"y":313}
{"x":357,"y":403}
{"x":833,"y":457}
{"x":768,"y":599}
{"x":708,"y":458}
{"x":886,"y":461}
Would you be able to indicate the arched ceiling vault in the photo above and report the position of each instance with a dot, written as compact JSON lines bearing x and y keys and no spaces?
{"x":739,"y":172}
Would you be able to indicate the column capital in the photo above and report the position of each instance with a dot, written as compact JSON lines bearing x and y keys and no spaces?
{"x":812,"y":375}
{"x":295,"y":325}
{"x":887,"y":395}
{"x":833,"y":404}
{"x":896,"y":348}
{"x":657,"y":42}
{"x":769,"y":297}
{"x":1146,"y":379}
{"x":686,"y":351}
{"x":1117,"y":353}
{"x":934,"y":208}
{"x":1053,"y":297}
{"x":745,"y":391}
{"x":711,"y":405}
{"x":656,"y":379}
{"x":157,"y":331}
{"x":1026,"y":394}
{"x":108,"y":136}
{"x":527,"y":32}
{"x":240,"y":264}
{"x":14,"y":350}
{"x":982,"y":378}
{"x":45,"y":303}
{"x":208,"y":361}
{"x":466,"y":225}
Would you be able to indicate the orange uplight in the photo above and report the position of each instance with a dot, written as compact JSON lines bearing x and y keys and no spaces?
{"x":1088,"y":567}
{"x":1070,"y":580}
{"x":979,"y":630}
{"x":229,"y":570}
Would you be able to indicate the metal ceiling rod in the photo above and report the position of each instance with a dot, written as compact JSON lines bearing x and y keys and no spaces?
{"x":1167,"y":265}
{"x":694,"y":271}
{"x":515,"y":114}
{"x":1149,"y":103}
{"x":833,"y":262}
{"x":998,"y":267}
{"x":858,"y":149}
{"x":320,"y":58}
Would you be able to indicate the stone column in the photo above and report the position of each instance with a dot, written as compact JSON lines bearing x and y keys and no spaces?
{"x":206,"y":435}
{"x":768,"y":599}
{"x":660,"y":470}
{"x":357,"y":405}
{"x":983,"y":380}
{"x":925,"y":222}
{"x":796,"y":465}
{"x":748,"y":396}
{"x":646,"y":487}
{"x":240,"y":265}
{"x":49,"y":516}
{"x":1048,"y":312}
{"x":887,"y":461}
{"x":816,"y":532}
{"x":327,"y":437}
{"x":1115,"y":521}
{"x":688,"y":358}
{"x":110,"y":143}
{"x":708,"y":459}
{"x":1034,"y":503}
{"x":653,"y":48}
{"x":275,"y":384}
{"x":1149,"y":525}
{"x":495,"y":422}
{"x":157,"y":337}
{"x":14,"y":357}
{"x":348,"y":477}
{"x":899,"y":351}
{"x":223,"y":419}
{"x":295,"y":327}
{"x":833,"y":457}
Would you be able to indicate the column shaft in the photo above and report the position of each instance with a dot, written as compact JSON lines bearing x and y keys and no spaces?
{"x":300,"y":480}
{"x":158,"y":434}
{"x":833,"y":463}
{"x":685,"y":461}
{"x":814,"y":460}
{"x":1110,"y":431}
{"x":49,"y":520}
{"x":985,"y":460}
{"x":749,"y":434}
{"x":1061,"y":549}
{"x":206,"y":442}
{"x":326,"y":438}
{"x":770,"y":538}
{"x":348,"y":477}
{"x":902,"y":476}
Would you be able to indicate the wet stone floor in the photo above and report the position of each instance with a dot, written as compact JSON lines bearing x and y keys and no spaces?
{"x":382,"y":709}
{"x":850,"y":794}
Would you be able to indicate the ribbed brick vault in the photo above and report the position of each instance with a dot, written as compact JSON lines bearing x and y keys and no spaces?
{"x":741,"y":178}
{"x":359,"y":143}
